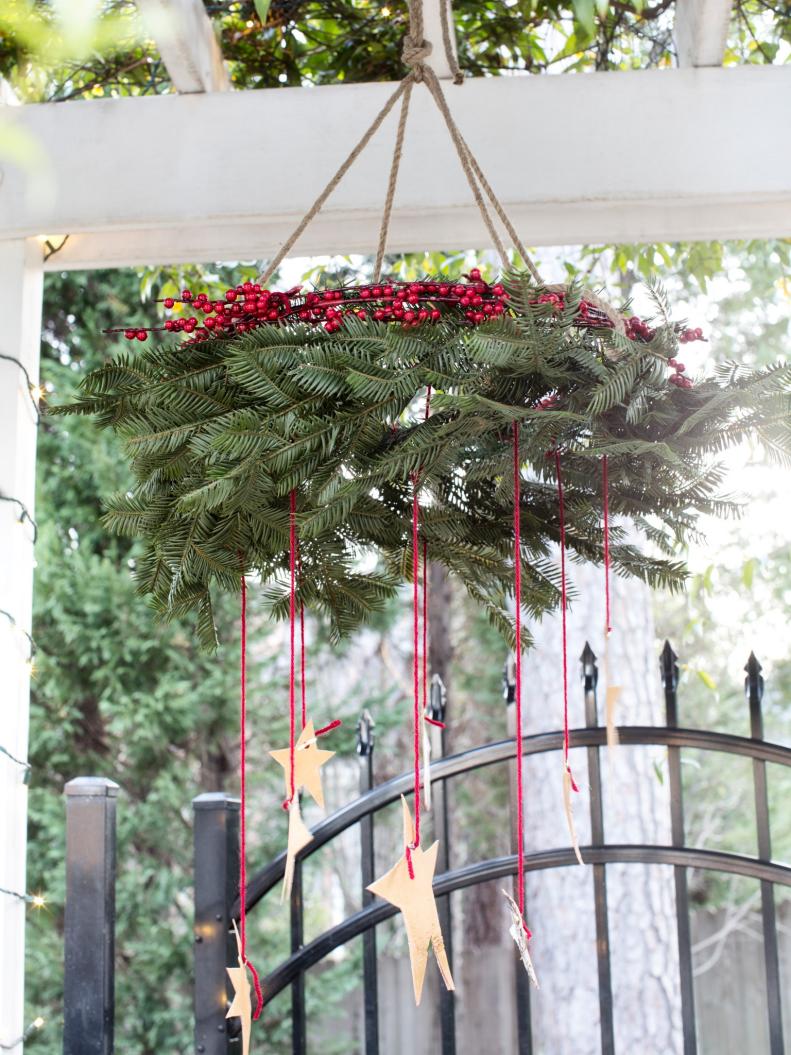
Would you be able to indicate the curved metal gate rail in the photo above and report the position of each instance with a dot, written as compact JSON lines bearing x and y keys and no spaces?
{"x":216,"y":859}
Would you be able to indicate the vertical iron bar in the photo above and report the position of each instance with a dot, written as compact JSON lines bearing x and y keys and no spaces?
{"x":754,"y":691}
{"x":298,"y":1015}
{"x":365,"y":749}
{"x":590,"y":678}
{"x":669,"y":668}
{"x":89,"y":926}
{"x":439,"y":807}
{"x":216,"y":879}
{"x":524,"y":1032}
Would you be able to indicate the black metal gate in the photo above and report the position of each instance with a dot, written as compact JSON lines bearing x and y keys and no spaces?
{"x":216,"y":838}
{"x":88,"y":997}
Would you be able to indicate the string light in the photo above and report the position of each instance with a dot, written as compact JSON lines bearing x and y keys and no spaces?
{"x":18,"y":762}
{"x":35,"y":1026}
{"x":24,"y":514}
{"x":34,"y":390}
{"x":38,"y":901}
{"x":21,"y":630}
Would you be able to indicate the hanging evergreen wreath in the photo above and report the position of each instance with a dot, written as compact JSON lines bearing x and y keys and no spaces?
{"x":318,"y":393}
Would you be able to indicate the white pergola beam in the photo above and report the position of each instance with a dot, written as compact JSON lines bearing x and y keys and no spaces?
{"x":21,"y":286}
{"x":185,"y":39}
{"x":701,"y":31}
{"x":708,"y":163}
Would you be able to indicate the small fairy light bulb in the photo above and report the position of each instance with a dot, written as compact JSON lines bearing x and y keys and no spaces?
{"x":38,"y":901}
{"x":385,"y":12}
{"x":38,"y":1023}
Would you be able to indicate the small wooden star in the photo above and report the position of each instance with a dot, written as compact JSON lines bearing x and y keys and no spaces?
{"x":568,"y":787}
{"x":519,"y":934}
{"x":298,"y":838}
{"x":308,"y":760}
{"x":242,"y":1004}
{"x":415,"y":898}
{"x":611,"y":699}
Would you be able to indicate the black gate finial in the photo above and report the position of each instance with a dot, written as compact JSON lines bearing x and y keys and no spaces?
{"x":365,"y":734}
{"x":754,"y":682}
{"x":668,"y":664}
{"x":589,"y":669}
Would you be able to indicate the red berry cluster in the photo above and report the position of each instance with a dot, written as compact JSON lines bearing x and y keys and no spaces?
{"x":637,"y":330}
{"x":677,"y":378}
{"x":688,"y":335}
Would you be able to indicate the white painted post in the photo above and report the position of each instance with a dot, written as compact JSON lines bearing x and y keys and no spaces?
{"x":432,"y":31}
{"x":21,"y":283}
{"x":701,"y":31}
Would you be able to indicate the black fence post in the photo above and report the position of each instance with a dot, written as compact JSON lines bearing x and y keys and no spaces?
{"x":216,"y":878}
{"x":668,"y":664}
{"x":89,"y":928}
{"x":754,"y":691}
{"x":437,"y":710}
{"x":524,"y":1032}
{"x":365,"y":749}
{"x":590,"y":680}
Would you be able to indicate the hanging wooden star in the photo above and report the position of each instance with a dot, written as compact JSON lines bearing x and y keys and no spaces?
{"x":298,"y":839}
{"x":568,"y":787}
{"x":519,"y":934}
{"x":415,"y":898}
{"x":611,"y":698}
{"x":241,"y":1005}
{"x":308,"y":760}
{"x":426,"y":764}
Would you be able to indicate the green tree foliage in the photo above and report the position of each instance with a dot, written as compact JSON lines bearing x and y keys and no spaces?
{"x":55,"y":52}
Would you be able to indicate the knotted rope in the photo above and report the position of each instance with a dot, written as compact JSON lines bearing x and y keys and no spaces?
{"x":416,"y":50}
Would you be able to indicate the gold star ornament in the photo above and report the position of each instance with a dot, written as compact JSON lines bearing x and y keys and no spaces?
{"x":308,"y":760}
{"x":298,"y":839}
{"x":519,"y":934}
{"x":242,"y":1004}
{"x":415,"y":898}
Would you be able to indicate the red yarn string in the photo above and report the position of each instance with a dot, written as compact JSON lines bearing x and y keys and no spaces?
{"x":302,"y":662}
{"x":242,"y":781}
{"x":292,"y":538}
{"x":425,"y":587}
{"x":259,"y":996}
{"x":259,"y":992}
{"x":328,"y":728}
{"x":605,"y":486}
{"x":415,"y":664}
{"x":425,"y":630}
{"x":520,"y":801}
{"x":433,"y":721}
{"x":409,"y":866}
{"x":563,"y":593}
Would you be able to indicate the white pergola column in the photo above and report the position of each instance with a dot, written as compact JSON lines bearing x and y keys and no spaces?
{"x":21,"y":282}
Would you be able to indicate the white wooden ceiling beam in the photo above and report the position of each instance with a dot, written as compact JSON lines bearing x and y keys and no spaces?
{"x":185,"y":39}
{"x":701,"y":31}
{"x":709,"y":163}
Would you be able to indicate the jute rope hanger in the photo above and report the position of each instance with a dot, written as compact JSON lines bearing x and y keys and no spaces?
{"x":415,"y":51}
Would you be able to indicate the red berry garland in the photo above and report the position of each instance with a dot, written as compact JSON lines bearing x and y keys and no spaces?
{"x":410,"y":304}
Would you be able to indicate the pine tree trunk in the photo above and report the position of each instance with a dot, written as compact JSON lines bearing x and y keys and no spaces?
{"x":560,"y":905}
